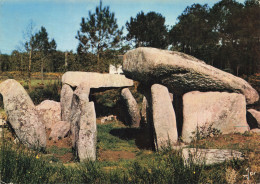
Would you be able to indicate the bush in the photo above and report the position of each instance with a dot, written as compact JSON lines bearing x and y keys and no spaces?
{"x":50,"y":91}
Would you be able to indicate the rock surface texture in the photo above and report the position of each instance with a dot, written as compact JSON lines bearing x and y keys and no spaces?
{"x":182,"y":73}
{"x":49,"y":112}
{"x":95,"y":80}
{"x":83,"y":124}
{"x":164,"y":121}
{"x":87,"y":138}
{"x":210,"y":156}
{"x":133,"y":117}
{"x":66,"y":95}
{"x":256,"y":116}
{"x":23,"y":115}
{"x":60,"y":129}
{"x":220,"y":110}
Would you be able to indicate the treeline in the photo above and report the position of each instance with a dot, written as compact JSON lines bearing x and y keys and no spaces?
{"x":226,"y":36}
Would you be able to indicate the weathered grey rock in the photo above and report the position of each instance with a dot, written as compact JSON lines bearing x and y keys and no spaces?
{"x":220,"y":110}
{"x":50,"y":112}
{"x":59,"y":130}
{"x":96,"y":80}
{"x":256,"y":116}
{"x":22,"y":114}
{"x":87,"y":138}
{"x":182,"y":73}
{"x":164,"y":120}
{"x":144,"y":109}
{"x":80,"y":98}
{"x":209,"y":156}
{"x":255,"y":130}
{"x":133,"y":113}
{"x":66,"y":95}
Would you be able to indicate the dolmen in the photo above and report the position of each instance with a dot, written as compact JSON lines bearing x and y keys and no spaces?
{"x":210,"y":98}
{"x":79,"y":111}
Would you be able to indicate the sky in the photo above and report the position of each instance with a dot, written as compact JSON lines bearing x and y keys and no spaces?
{"x":62,"y":18}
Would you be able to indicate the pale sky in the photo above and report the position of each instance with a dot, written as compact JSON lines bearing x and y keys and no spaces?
{"x":62,"y":18}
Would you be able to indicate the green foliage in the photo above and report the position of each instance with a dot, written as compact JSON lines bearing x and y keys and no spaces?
{"x":148,"y":30}
{"x":50,"y":91}
{"x":220,"y":35}
{"x":99,"y":32}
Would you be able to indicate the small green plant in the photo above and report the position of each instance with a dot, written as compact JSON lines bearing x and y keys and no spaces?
{"x":204,"y":132}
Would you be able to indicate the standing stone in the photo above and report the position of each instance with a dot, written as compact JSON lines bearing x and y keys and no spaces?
{"x":182,"y":73}
{"x":220,"y":110}
{"x":87,"y":138}
{"x":66,"y":95}
{"x":23,"y":115}
{"x":255,"y":118}
{"x":80,"y":98}
{"x":133,"y":112}
{"x":144,"y":109}
{"x":49,"y":112}
{"x":164,"y":120}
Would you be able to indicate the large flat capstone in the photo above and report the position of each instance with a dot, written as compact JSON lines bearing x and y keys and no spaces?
{"x":182,"y":73}
{"x":96,"y":80}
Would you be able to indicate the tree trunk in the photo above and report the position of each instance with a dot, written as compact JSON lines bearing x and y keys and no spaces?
{"x":66,"y":61}
{"x":29,"y":69}
{"x":42,"y":70}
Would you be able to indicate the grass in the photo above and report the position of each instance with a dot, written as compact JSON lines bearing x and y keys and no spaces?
{"x":120,"y":159}
{"x":147,"y":166}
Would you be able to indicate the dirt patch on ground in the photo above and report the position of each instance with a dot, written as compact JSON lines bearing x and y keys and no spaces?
{"x":108,"y":155}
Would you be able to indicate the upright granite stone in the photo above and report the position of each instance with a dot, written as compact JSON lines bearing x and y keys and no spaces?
{"x":144,"y":109}
{"x":80,"y":98}
{"x":49,"y":112}
{"x":66,"y":95}
{"x":23,"y":115}
{"x":96,"y":80}
{"x":83,"y":124}
{"x":87,"y":138}
{"x":182,"y":73}
{"x":220,"y":110}
{"x":164,"y":121}
{"x":133,"y":117}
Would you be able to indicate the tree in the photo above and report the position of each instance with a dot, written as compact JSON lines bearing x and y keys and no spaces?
{"x":99,"y":32}
{"x":41,"y":46}
{"x":148,"y":30}
{"x":193,"y":33}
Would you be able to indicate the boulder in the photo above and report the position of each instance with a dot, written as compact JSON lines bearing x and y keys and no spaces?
{"x":133,"y":117}
{"x":255,"y":130}
{"x":96,"y":80}
{"x":182,"y":73}
{"x":255,"y":121}
{"x":50,"y":112}
{"x":87,"y":135}
{"x":59,"y":130}
{"x":209,"y":156}
{"x":66,"y":95}
{"x":80,"y":98}
{"x":22,"y":115}
{"x":209,"y":111}
{"x":164,"y":121}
